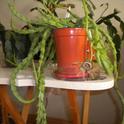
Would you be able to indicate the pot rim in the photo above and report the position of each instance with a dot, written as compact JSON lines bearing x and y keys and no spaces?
{"x":66,"y":31}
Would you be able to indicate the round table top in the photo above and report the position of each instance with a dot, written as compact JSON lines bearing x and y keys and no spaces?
{"x":25,"y":78}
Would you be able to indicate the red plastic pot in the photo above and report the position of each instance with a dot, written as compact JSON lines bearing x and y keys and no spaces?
{"x":70,"y":52}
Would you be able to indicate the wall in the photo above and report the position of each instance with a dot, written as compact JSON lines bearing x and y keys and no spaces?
{"x":104,"y":105}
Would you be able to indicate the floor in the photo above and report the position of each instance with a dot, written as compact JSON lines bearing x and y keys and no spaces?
{"x":50,"y":121}
{"x":57,"y":121}
{"x":32,"y":120}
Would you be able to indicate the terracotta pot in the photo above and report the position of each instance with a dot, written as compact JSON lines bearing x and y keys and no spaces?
{"x":70,"y":52}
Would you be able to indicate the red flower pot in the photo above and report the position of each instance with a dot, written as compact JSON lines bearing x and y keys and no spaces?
{"x":70,"y":52}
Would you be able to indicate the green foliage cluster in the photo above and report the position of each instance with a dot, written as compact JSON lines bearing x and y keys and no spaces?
{"x":49,"y":19}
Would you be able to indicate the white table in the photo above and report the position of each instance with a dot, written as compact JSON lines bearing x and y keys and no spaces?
{"x":25,"y":79}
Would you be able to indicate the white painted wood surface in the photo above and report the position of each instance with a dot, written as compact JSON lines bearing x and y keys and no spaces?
{"x":25,"y":78}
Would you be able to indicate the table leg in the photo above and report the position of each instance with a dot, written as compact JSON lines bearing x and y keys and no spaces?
{"x":4,"y":114}
{"x":9,"y":105}
{"x":26,"y":108}
{"x":74,"y":107}
{"x":86,"y":105}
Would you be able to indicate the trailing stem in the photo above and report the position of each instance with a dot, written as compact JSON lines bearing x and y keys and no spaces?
{"x":23,"y":65}
{"x":117,"y":89}
{"x":86,"y":11}
{"x":41,"y":113}
{"x":96,"y":41}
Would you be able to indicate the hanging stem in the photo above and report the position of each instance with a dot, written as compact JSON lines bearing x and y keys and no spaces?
{"x":86,"y":11}
{"x":41,"y":113}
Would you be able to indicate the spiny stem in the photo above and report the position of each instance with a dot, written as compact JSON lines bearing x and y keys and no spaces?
{"x":86,"y":13}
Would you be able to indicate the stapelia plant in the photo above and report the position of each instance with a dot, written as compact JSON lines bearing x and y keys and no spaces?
{"x":44,"y":44}
{"x":49,"y":20}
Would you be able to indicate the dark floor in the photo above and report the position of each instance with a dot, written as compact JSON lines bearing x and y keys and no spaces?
{"x":50,"y":121}
{"x":32,"y":120}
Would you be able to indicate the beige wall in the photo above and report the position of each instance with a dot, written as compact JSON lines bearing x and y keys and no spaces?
{"x":104,"y":109}
{"x":25,"y":5}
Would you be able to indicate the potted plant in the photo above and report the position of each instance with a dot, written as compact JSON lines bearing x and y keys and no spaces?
{"x":15,"y":46}
{"x":99,"y":39}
